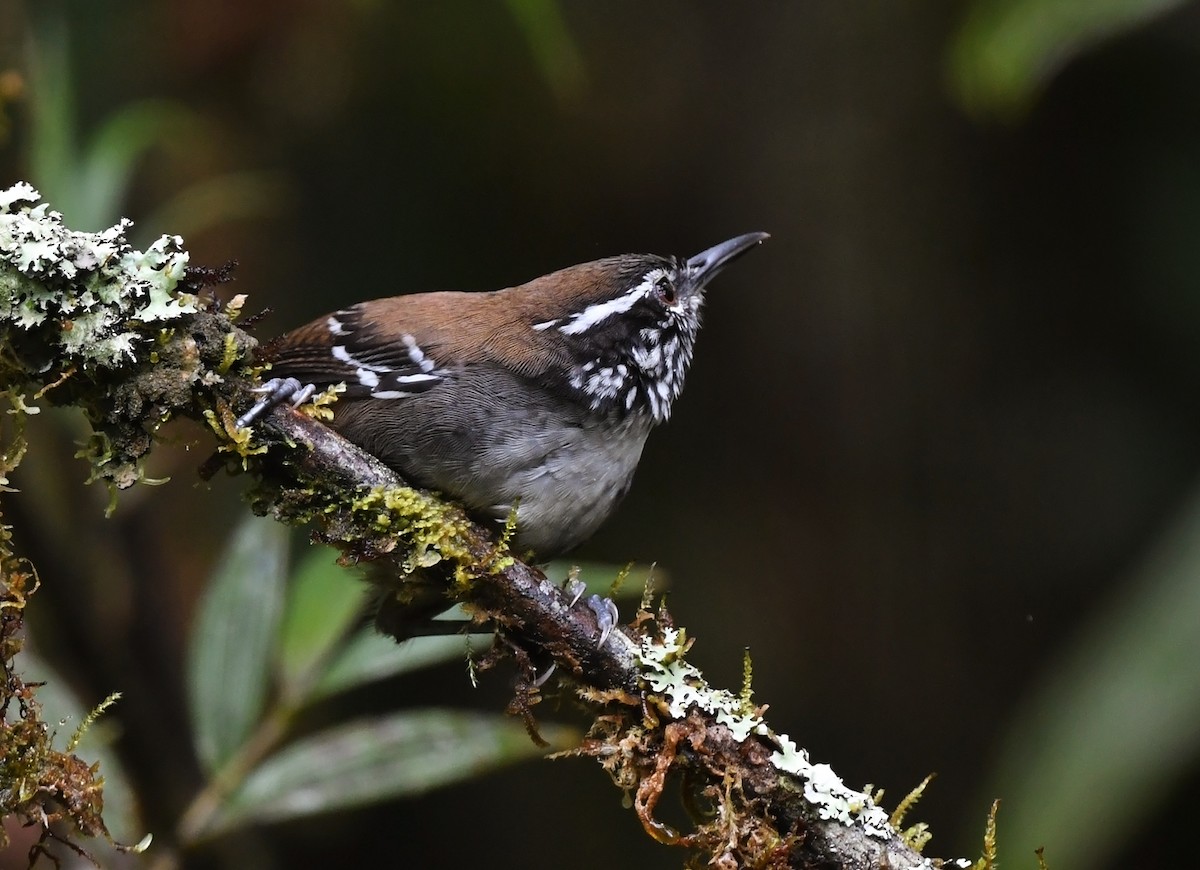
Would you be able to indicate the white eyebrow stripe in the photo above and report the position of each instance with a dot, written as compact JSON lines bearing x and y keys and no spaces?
{"x":600,"y":311}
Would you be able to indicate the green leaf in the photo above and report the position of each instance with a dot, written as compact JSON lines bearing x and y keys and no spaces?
{"x":1113,"y":732}
{"x":552,"y":46}
{"x":218,"y":199}
{"x":324,"y":602}
{"x":229,"y":658}
{"x":1007,"y":50}
{"x":52,"y":134}
{"x":372,"y":760}
{"x":370,"y":656}
{"x":107,"y":161}
{"x":88,"y":183}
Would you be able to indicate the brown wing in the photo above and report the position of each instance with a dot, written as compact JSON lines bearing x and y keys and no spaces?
{"x":347,"y":347}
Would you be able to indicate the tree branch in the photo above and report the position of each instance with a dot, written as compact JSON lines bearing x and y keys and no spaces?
{"x":129,"y":337}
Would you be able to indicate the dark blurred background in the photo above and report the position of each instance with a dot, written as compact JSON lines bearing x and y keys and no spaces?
{"x":936,"y":457}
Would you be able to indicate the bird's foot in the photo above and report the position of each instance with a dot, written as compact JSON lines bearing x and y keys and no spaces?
{"x":606,"y":616}
{"x":275,"y":392}
{"x":604,"y":608}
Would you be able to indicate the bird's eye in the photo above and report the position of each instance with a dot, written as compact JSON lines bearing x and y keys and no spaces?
{"x":665,"y":290}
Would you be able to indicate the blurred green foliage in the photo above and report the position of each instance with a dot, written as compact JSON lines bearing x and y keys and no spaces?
{"x":265,"y":647}
{"x":1007,"y":51}
{"x":87,"y":177}
{"x":552,"y":45}
{"x":1109,"y":734}
{"x":1105,"y":739}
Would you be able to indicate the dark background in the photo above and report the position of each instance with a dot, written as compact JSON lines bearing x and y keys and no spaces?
{"x":934,"y":425}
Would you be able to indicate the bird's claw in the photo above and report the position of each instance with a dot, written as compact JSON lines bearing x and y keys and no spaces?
{"x":541,"y":680}
{"x":575,"y":588}
{"x":606,"y":616}
{"x":275,"y":392}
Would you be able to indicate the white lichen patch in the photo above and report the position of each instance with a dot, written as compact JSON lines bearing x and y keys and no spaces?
{"x":824,"y":789}
{"x":94,"y":287}
{"x":665,"y":669}
{"x":933,"y":864}
{"x":683,"y":687}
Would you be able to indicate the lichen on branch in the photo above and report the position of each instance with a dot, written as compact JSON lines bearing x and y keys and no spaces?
{"x":87,"y":319}
{"x":93,"y":289}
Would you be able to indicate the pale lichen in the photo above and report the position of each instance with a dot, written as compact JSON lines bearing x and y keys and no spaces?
{"x":109,"y":328}
{"x":682,"y":686}
{"x":89,"y":289}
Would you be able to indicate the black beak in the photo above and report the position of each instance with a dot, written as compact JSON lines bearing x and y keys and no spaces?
{"x":703,"y":267}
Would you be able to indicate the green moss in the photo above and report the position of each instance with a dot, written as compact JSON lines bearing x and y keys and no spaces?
{"x":746,"y":695}
{"x":38,"y":783}
{"x":432,"y":530}
{"x":233,"y":440}
{"x":989,"y":859}
{"x":231,"y":355}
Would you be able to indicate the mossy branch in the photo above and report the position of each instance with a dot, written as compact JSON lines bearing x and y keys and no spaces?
{"x":132,"y":339}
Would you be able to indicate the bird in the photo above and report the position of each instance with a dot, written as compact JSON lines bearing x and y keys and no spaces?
{"x":536,"y":398}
